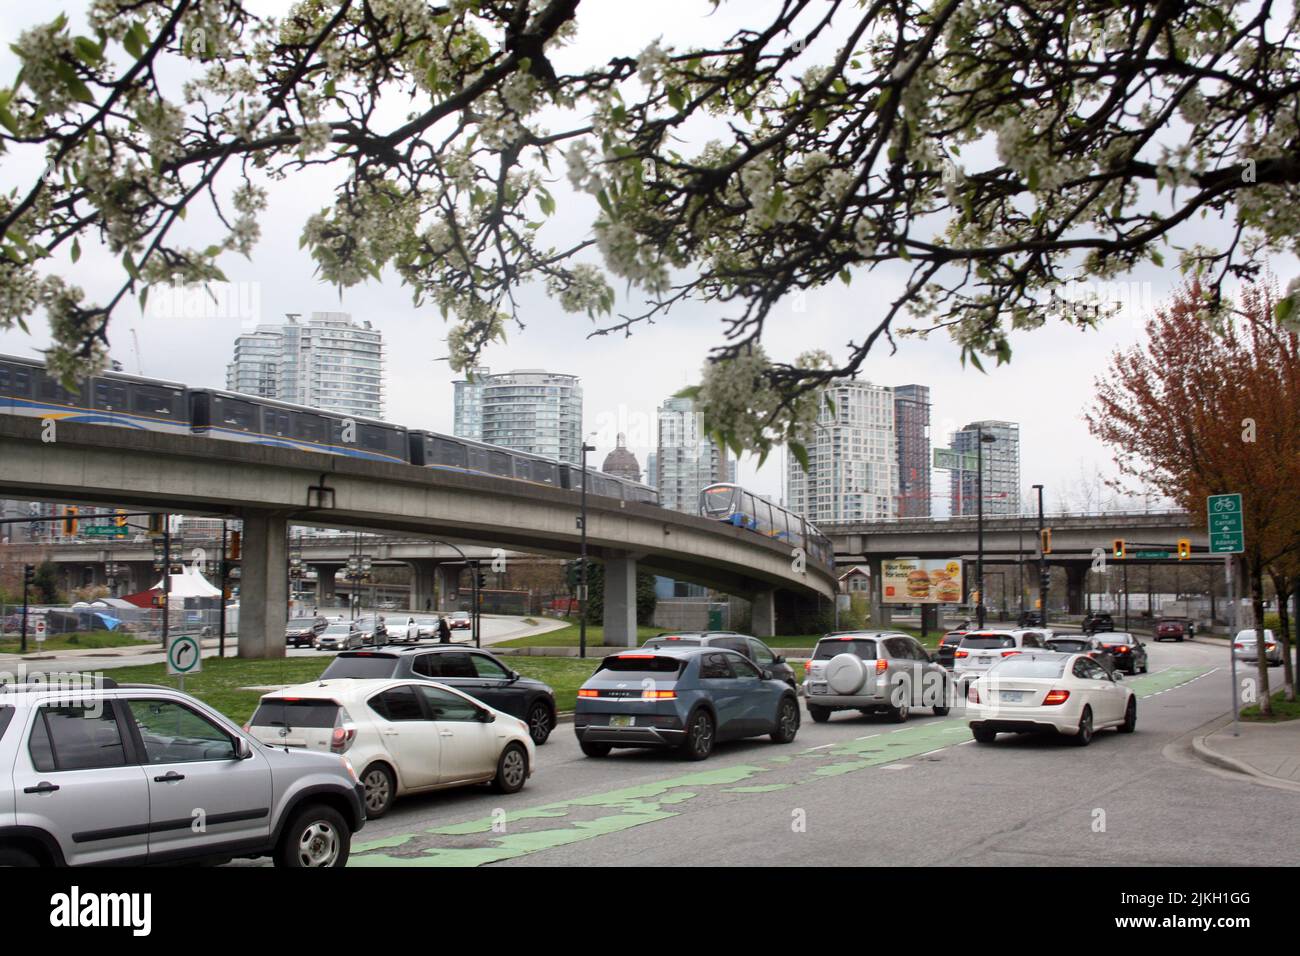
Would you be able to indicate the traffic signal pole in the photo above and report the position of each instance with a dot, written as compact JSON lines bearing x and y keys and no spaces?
{"x":28,"y":572}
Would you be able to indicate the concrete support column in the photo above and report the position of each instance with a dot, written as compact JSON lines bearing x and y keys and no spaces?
{"x":448,"y":576}
{"x":264,"y":586}
{"x":422,"y":585}
{"x":325,"y":593}
{"x":762,"y":614}
{"x":1074,"y":578}
{"x":620,"y":601}
{"x":880,"y":613}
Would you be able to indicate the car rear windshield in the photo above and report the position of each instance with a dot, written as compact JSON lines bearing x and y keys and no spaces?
{"x":1115,"y":639}
{"x":953,"y":638}
{"x":1020,"y":666}
{"x":640,"y":667}
{"x":1070,"y":647}
{"x":360,"y":666}
{"x":984,"y":641}
{"x":866,"y":649}
{"x":673,"y":642}
{"x":279,"y":712}
{"x":303,"y":622}
{"x":338,"y":629}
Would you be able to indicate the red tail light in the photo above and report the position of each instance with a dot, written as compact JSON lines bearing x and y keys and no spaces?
{"x":1056,"y":697}
{"x":658,"y":695}
{"x":882,"y":666}
{"x":1240,"y":647}
{"x":588,"y":693}
{"x":972,"y":694}
{"x":1009,"y":653}
{"x":962,"y":654}
{"x":342,"y":738}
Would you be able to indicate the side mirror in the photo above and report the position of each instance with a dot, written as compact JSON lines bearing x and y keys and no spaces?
{"x":243,"y":749}
{"x":767,"y":674}
{"x":515,"y":675}
{"x":1117,"y":676}
{"x":778,"y":659}
{"x":487,"y":717}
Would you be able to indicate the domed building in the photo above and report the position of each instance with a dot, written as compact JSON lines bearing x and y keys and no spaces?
{"x":622,"y":463}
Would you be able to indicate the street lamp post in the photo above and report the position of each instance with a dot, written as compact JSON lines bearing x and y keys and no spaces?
{"x":582,"y":557}
{"x":979,"y":522}
{"x":1042,"y":565}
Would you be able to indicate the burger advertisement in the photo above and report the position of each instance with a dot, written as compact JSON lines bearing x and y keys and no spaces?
{"x":921,"y":581}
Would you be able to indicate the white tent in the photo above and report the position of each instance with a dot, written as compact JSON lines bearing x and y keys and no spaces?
{"x":190,"y":584}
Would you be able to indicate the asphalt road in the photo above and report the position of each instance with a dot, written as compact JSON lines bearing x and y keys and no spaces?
{"x":863,"y":791}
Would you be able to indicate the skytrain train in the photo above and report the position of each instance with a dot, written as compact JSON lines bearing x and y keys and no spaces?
{"x":744,"y":509}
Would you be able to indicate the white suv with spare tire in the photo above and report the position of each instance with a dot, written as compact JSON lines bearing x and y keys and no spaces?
{"x":874,"y":672}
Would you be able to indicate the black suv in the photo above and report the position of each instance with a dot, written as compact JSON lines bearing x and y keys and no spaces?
{"x":471,"y":671}
{"x":304,"y":630}
{"x":1098,"y":621}
{"x":1030,"y":619}
{"x":750,"y":647}
{"x":947,"y":648}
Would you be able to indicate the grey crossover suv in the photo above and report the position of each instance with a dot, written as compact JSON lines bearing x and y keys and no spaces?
{"x":758,"y":652}
{"x":874,"y":671}
{"x":686,"y":698}
{"x":98,"y":773}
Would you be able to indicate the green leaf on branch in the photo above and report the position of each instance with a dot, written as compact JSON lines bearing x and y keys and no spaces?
{"x":76,"y":250}
{"x":690,"y":391}
{"x":1284,"y":308}
{"x":800,"y":454}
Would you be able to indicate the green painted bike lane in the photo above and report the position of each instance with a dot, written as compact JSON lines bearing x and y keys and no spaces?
{"x":507,"y":835}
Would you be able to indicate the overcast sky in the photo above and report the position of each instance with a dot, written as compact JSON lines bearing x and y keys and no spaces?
{"x":1045,"y":388}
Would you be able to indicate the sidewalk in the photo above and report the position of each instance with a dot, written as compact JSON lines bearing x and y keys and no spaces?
{"x":1268,"y":752}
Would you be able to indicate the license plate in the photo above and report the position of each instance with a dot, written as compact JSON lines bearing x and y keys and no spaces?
{"x":622,"y":720}
{"x":1012,"y":696}
{"x":816,"y":688}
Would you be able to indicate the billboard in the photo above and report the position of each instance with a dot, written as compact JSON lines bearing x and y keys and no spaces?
{"x":921,"y":581}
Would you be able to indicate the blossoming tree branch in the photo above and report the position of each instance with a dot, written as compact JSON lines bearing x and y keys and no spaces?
{"x":997,"y":149}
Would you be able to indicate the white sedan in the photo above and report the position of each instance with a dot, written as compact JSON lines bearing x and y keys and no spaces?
{"x":1069,"y":694}
{"x":401,"y":736}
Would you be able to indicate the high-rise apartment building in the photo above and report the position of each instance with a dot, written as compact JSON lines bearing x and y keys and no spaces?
{"x":328,"y":362}
{"x":912,"y":428}
{"x":468,"y":404}
{"x":852,"y":471}
{"x":534,"y":411}
{"x":1001,"y":469}
{"x":685,"y":460}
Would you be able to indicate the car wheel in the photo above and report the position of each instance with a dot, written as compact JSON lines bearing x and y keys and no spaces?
{"x":1130,"y":717}
{"x":699,"y":736}
{"x":941,"y":710}
{"x":539,"y":722}
{"x":1145,"y":666}
{"x":787,"y":721}
{"x":819,"y":714}
{"x":317,"y":836}
{"x":512,"y":769}
{"x":12,"y":856}
{"x":983,"y":736}
{"x":381,"y":790}
{"x":1083,"y":736}
{"x":901,"y":711}
{"x":595,"y":750}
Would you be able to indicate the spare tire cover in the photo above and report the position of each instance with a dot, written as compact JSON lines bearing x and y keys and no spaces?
{"x":845,"y":674}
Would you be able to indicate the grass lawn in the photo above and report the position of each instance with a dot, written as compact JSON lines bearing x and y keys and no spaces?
{"x":568,"y":637}
{"x":219,"y":684}
{"x":1282,"y":710}
{"x":82,"y":640}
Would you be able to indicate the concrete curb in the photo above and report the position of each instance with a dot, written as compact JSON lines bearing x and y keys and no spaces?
{"x":1209,"y":755}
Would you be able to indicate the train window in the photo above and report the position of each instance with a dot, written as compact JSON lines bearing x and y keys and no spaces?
{"x":154,"y":402}
{"x":22,"y":382}
{"x":236,"y":414}
{"x":372,"y":437}
{"x":275,"y":422}
{"x":717,"y":502}
{"x":477,"y":459}
{"x":307,"y":427}
{"x":546,"y":473}
{"x":498,"y":463}
{"x":110,"y":395}
{"x":4,"y":377}
{"x":52,"y":391}
{"x":522,"y":468}
{"x":449,"y":453}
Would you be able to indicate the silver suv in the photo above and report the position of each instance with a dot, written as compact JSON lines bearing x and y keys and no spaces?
{"x":874,"y":671}
{"x":129,"y":774}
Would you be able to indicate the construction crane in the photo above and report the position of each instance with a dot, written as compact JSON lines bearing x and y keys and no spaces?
{"x":139,"y":370}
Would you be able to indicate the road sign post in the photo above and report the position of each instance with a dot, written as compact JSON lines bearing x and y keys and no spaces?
{"x":1227,"y":535}
{"x":184,"y":656}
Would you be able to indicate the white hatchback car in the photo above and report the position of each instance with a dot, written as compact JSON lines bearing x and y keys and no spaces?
{"x":979,"y":650}
{"x":402,"y":736}
{"x":1037,"y":692}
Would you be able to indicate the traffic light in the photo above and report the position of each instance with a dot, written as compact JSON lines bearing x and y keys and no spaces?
{"x":235,"y":543}
{"x":482,"y":580}
{"x":157,"y":524}
{"x":70,"y":520}
{"x":1046,"y":535}
{"x":120,"y":518}
{"x":1117,"y":551}
{"x":29,"y":574}
{"x":1184,"y":548}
